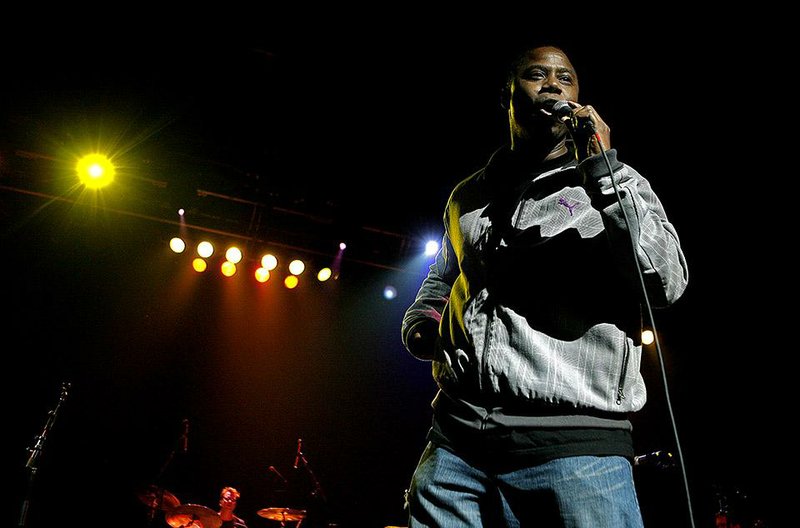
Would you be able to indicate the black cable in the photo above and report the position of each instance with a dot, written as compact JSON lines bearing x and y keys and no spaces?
{"x":653,"y":326}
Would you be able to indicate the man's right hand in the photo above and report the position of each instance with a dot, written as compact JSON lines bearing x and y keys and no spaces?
{"x":422,"y":341}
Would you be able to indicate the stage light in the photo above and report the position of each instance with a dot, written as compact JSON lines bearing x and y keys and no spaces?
{"x":336,"y":265}
{"x":296,"y":267}
{"x":389,"y":293}
{"x":205,"y":249}
{"x":177,"y":245}
{"x":95,"y":171}
{"x":431,"y":247}
{"x":199,"y":265}
{"x":269,"y":262}
{"x":181,"y":211}
{"x":648,"y":337}
{"x":228,"y":268}
{"x":234,"y":254}
{"x":262,"y":274}
{"x":324,"y":274}
{"x":291,"y":281}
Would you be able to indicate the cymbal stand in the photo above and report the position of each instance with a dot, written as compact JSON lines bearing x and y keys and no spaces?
{"x":36,"y":452}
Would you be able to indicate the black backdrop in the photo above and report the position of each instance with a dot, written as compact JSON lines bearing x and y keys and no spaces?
{"x":371,"y":125}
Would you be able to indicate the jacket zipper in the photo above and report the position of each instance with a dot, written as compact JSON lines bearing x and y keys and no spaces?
{"x":487,"y":336}
{"x":621,"y":385}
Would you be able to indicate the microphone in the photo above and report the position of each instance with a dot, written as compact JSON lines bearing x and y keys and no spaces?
{"x":562,"y":112}
{"x":558,"y":110}
{"x":185,"y":435}
{"x":274,"y":470}
{"x":299,"y":452}
{"x":660,"y":459}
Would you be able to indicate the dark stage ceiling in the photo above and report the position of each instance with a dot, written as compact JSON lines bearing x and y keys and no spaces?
{"x":273,"y":131}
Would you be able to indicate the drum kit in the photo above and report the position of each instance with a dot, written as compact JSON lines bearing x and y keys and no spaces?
{"x":180,"y":515}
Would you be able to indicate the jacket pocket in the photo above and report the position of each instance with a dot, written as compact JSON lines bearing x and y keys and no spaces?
{"x":623,"y":372}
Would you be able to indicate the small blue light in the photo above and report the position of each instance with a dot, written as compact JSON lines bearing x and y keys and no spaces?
{"x":389,"y":293}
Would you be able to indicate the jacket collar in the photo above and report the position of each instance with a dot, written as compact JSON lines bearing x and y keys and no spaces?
{"x":504,"y":164}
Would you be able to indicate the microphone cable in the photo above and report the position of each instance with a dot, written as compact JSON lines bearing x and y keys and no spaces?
{"x":652,"y":323}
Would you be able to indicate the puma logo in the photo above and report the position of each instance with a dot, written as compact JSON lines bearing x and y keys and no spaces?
{"x":565,"y":203}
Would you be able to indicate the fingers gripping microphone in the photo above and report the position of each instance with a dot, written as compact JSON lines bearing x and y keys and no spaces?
{"x":299,"y":453}
{"x":185,"y":435}
{"x":562,"y":111}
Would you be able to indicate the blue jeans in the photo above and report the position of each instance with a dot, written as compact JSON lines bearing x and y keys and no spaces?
{"x":571,"y":492}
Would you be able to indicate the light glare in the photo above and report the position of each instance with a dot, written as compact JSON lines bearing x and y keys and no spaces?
{"x":431,"y":247}
{"x":205,"y":249}
{"x":228,"y":268}
{"x":234,"y":254}
{"x":269,"y":261}
{"x":95,"y":171}
{"x":296,"y":267}
{"x":262,"y":274}
{"x":199,"y":265}
{"x":177,"y":245}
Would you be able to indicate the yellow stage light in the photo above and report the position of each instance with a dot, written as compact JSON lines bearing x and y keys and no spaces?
{"x":199,"y":265}
{"x":262,"y":274}
{"x":228,"y":268}
{"x":95,"y":171}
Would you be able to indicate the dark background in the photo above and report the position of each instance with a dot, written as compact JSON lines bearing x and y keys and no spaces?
{"x":355,"y":130}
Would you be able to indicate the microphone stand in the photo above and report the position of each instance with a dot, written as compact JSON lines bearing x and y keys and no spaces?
{"x":317,"y":491}
{"x":157,"y":503}
{"x":36,"y":453}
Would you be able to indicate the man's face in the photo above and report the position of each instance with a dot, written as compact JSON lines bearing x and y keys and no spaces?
{"x":228,"y":497}
{"x":546,"y":73}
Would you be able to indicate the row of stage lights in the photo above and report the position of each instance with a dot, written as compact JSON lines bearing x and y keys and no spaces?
{"x":267,"y":263}
{"x":96,"y":171}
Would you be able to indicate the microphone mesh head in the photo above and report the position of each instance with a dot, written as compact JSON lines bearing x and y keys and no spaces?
{"x":562,"y":110}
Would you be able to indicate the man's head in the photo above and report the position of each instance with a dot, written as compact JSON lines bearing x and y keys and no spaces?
{"x":535,"y":75}
{"x":228,"y":496}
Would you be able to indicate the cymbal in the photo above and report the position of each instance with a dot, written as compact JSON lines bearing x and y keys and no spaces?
{"x":282,"y":514}
{"x":158,"y":498}
{"x":193,"y":515}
